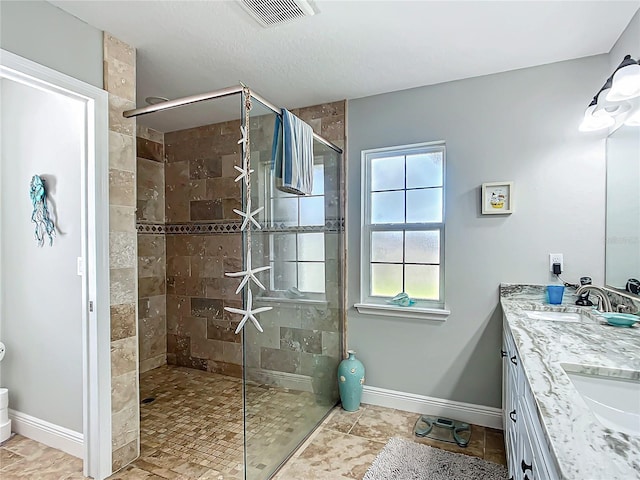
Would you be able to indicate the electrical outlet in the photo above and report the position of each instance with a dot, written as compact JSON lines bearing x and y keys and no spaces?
{"x":556,"y":258}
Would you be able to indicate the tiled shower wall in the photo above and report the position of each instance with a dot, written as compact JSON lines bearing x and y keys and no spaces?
{"x":200,"y":189}
{"x":327,"y":120}
{"x":152,"y":323}
{"x":189,"y":236}
{"x":119,"y":81}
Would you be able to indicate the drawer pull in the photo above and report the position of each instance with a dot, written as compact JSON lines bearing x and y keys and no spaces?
{"x":503,"y":353}
{"x":526,"y":467}
{"x":513,"y":360}
{"x":512,"y":415}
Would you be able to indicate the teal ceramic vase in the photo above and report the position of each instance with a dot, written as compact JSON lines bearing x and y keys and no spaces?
{"x":350,"y":382}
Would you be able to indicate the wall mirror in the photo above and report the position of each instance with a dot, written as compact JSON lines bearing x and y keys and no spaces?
{"x":622,"y":258}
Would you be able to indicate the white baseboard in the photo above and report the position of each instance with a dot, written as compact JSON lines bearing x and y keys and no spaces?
{"x":410,"y":402}
{"x":44,"y":432}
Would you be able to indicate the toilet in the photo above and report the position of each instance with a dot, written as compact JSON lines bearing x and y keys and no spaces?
{"x":5,"y":423}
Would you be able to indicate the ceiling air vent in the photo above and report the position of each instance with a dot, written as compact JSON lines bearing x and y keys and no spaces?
{"x":274,"y":12}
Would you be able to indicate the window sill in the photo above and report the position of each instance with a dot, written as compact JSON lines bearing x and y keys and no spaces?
{"x":283,"y":301}
{"x":404,"y":312}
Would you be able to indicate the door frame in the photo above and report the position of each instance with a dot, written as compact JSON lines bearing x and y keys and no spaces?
{"x":96,"y":324}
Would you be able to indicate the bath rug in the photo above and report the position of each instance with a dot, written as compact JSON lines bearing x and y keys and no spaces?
{"x":402,"y":459}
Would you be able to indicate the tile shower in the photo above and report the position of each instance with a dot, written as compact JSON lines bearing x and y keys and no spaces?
{"x":188,"y":237}
{"x":150,"y":211}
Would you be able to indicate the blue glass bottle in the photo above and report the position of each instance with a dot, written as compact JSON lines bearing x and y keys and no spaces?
{"x":350,"y":382}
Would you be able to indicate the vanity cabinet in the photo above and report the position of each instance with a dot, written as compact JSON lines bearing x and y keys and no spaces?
{"x":528,"y":456}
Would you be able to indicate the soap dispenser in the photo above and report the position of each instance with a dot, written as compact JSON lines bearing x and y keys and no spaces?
{"x":583,"y":300}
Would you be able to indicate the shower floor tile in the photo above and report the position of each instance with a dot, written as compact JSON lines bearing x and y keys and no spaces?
{"x":195,"y":423}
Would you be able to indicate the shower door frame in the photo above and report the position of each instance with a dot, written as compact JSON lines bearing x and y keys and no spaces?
{"x":224,"y":92}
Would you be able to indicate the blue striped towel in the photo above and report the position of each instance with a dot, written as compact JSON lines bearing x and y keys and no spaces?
{"x":292,"y":154}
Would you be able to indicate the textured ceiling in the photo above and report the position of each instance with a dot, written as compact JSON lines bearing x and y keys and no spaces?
{"x":350,"y":49}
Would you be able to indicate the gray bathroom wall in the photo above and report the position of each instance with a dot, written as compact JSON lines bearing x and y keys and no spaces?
{"x":49,"y":36}
{"x":41,"y":298}
{"x":519,"y":126}
{"x":627,"y":44}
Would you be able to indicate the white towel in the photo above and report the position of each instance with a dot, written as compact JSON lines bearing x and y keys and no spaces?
{"x":292,"y":155}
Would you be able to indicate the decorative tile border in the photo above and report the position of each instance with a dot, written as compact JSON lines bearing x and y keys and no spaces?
{"x":157,"y":228}
{"x":232,"y":227}
{"x":188,"y":228}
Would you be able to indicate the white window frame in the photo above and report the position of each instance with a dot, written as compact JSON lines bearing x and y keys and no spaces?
{"x":268,"y":194}
{"x":422,"y":309}
{"x":273,"y":262}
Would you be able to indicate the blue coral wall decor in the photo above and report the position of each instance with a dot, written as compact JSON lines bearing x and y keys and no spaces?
{"x":40,"y":216}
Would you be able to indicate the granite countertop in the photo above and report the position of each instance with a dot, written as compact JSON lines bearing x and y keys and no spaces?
{"x":582,"y":447}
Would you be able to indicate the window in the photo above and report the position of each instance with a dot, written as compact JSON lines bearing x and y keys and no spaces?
{"x":297,"y":260}
{"x":296,"y":254}
{"x":403,"y":226}
{"x":291,"y":210}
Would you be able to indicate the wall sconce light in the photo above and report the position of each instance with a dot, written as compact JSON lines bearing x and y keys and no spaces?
{"x":612,"y":103}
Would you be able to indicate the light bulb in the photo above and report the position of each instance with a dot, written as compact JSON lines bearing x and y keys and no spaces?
{"x":633,"y":120}
{"x":592,"y":122}
{"x":608,"y":108}
{"x":600,"y":109}
{"x":625,"y":83}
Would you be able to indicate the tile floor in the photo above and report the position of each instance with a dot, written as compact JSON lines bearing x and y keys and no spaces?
{"x":22,"y":458}
{"x":346,"y":444}
{"x":174,"y":446}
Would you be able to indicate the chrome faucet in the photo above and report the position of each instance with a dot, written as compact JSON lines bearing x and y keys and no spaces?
{"x":601,"y":293}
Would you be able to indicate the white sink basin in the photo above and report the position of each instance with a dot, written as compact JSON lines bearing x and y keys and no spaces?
{"x":556,"y":316}
{"x":614,"y":401}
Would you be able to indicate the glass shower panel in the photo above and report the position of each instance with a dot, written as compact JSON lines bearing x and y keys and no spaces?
{"x":290,"y":379}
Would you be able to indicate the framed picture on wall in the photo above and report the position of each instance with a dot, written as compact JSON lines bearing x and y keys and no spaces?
{"x":497,"y":198}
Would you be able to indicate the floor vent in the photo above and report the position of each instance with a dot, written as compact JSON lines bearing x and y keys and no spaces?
{"x":274,"y":12}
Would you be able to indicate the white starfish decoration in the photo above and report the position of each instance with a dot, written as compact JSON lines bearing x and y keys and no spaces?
{"x":249,"y":274}
{"x":243,"y":140}
{"x":249,"y":313}
{"x":248,"y":215}
{"x":244,"y":173}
